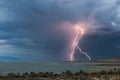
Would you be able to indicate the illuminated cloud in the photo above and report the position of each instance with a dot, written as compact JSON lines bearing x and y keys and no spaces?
{"x":3,"y":41}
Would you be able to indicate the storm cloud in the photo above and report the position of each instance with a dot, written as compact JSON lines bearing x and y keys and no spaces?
{"x":32,"y":29}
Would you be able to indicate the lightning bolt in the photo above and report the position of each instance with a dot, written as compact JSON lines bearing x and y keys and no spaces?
{"x":79,"y":33}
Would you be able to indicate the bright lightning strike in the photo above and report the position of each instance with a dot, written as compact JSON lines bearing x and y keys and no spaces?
{"x":79,"y":33}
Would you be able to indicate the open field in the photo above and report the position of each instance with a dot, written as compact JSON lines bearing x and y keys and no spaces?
{"x":79,"y":70}
{"x":110,"y":74}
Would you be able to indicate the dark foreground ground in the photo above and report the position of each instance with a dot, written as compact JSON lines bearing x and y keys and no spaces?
{"x":111,"y":74}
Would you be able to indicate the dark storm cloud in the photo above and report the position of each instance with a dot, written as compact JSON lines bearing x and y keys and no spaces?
{"x":102,"y":46}
{"x":31,"y":26}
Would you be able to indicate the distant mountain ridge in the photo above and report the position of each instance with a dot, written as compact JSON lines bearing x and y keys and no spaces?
{"x":113,"y":59}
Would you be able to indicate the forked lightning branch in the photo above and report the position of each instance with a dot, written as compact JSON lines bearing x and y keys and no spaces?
{"x":79,"y":31}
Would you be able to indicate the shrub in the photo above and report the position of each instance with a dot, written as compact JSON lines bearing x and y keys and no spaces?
{"x":110,"y":72}
{"x":103,"y":72}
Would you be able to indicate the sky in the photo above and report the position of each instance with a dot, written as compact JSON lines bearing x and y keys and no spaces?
{"x":41,"y":30}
